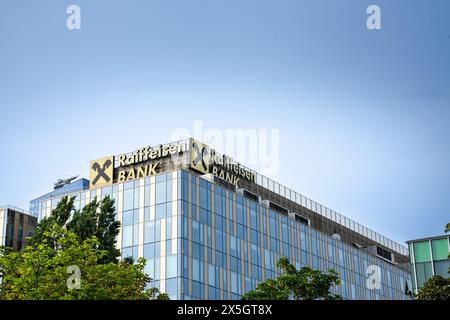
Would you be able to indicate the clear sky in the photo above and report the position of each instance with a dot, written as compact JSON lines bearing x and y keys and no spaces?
{"x":364,"y":116}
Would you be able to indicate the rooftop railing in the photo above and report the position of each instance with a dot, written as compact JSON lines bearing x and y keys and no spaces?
{"x":319,"y":209}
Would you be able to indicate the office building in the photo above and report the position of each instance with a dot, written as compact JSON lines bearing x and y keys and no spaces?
{"x":429,"y":257}
{"x":210,"y":228}
{"x":15,"y":226}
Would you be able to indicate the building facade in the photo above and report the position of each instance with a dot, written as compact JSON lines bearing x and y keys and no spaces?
{"x":429,"y":257}
{"x":211,"y":228}
{"x":15,"y":226}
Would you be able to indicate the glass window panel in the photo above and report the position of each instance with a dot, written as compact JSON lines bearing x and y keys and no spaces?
{"x":211,"y":275}
{"x":128,"y":200}
{"x":127,"y":238}
{"x":171,"y":287}
{"x":160,"y":177}
{"x":195,"y":270}
{"x":171,"y":266}
{"x":160,"y":190}
{"x":424,"y":272}
{"x":440,"y":249}
{"x":422,"y":251}
{"x":149,"y":231}
{"x":441,"y":268}
{"x":160,"y":211}
{"x":149,"y":251}
{"x":127,"y":217}
{"x":169,"y":191}
{"x":127,"y":252}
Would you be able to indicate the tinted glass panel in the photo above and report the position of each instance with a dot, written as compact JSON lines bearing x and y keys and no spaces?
{"x":440,"y":249}
{"x":422,"y":251}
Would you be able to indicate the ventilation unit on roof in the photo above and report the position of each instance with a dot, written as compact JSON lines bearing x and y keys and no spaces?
{"x":249,"y":195}
{"x":273,"y":206}
{"x":299,"y":218}
{"x":381,"y":253}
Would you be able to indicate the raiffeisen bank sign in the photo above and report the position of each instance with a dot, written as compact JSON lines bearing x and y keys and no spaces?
{"x":147,"y":161}
{"x":206,"y":160}
{"x":141,"y":163}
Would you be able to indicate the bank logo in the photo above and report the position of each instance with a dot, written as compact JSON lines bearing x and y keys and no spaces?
{"x":200,"y":157}
{"x":101,"y":172}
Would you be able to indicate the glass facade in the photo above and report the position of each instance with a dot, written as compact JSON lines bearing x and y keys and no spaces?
{"x":231,"y":243}
{"x":202,"y":241}
{"x":429,"y":257}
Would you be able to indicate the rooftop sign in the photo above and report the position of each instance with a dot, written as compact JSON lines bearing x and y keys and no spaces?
{"x":147,"y":161}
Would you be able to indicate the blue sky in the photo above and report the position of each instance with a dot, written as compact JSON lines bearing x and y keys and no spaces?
{"x":364,"y":116}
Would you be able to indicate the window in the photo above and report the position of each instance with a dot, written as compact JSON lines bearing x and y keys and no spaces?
{"x":149,"y":232}
{"x":422,"y":251}
{"x":157,"y":268}
{"x":171,"y":266}
{"x":195,"y":231}
{"x":267,"y":259}
{"x":440,"y":249}
{"x":128,"y":199}
{"x":341,"y":257}
{"x":211,"y":275}
{"x":158,"y":230}
{"x":195,"y":270}
{"x":169,"y":190}
{"x":255,"y":259}
{"x":127,"y":218}
{"x":303,"y":243}
{"x":160,"y":211}
{"x":204,"y":198}
{"x":424,"y":272}
{"x":149,"y":251}
{"x":204,"y":216}
{"x":234,"y":282}
{"x":160,"y":190}
{"x":233,"y":246}
{"x":253,"y":223}
{"x":127,"y":238}
{"x":219,"y":240}
{"x":171,"y":286}
{"x":441,"y":268}
{"x":147,"y":195}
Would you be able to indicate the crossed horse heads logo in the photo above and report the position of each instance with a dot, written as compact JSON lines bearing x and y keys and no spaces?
{"x":101,"y":171}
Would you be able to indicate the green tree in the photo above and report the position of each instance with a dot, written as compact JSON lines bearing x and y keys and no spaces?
{"x":303,"y":284}
{"x":97,"y":219}
{"x":435,"y":288}
{"x":86,"y":243}
{"x":41,"y":272}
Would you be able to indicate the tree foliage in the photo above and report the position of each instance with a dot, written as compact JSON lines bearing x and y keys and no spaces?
{"x":41,"y":272}
{"x":97,"y":219}
{"x":303,"y":284}
{"x":82,"y":238}
{"x":435,"y":288}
